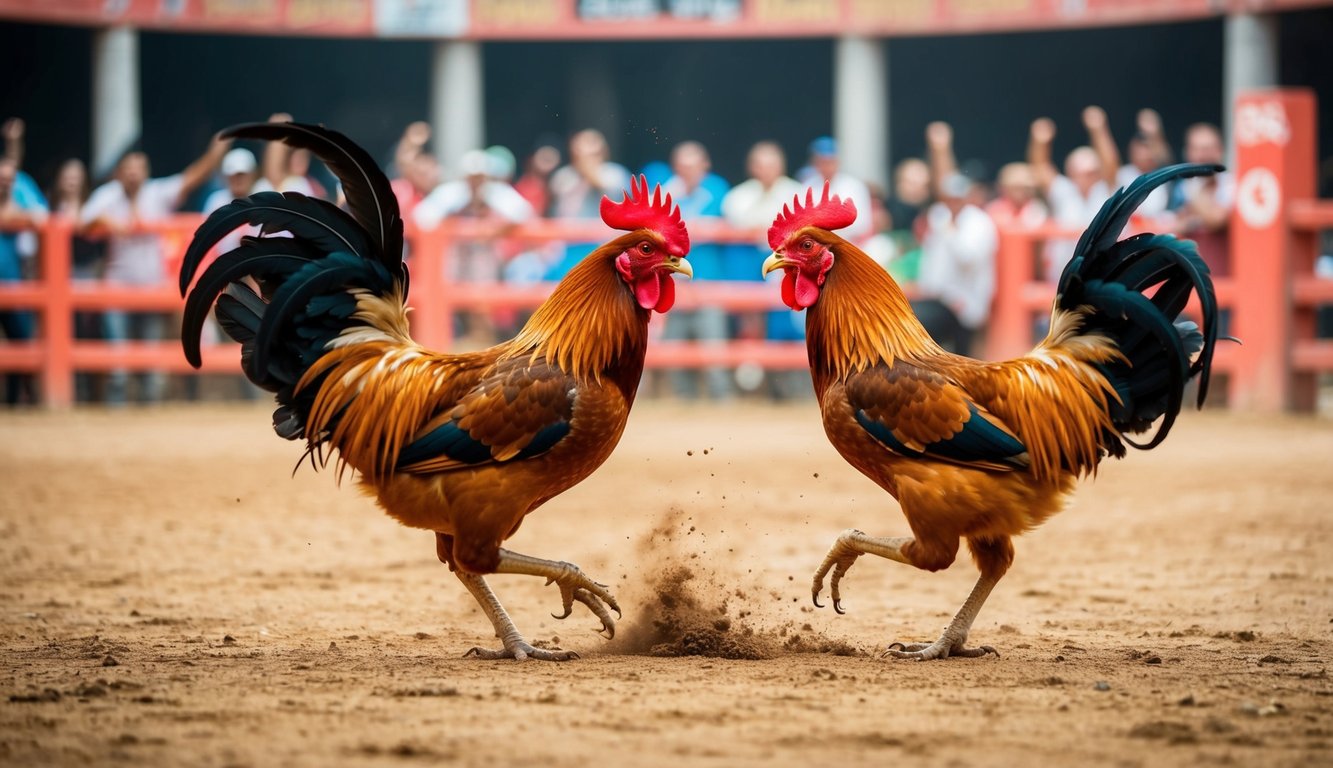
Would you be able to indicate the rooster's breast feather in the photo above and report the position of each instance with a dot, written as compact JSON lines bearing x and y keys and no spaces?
{"x":920,"y":413}
{"x":520,"y":410}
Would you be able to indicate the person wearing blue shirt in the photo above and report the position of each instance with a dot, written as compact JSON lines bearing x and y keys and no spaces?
{"x":21,"y":208}
{"x":699,"y":194}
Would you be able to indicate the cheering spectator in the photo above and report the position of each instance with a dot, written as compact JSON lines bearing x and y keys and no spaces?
{"x":1017,"y":204}
{"x":118,"y":210}
{"x":699,"y":201}
{"x":911,"y":197}
{"x":476,"y":196}
{"x":1203,"y":205}
{"x":752,"y":205}
{"x":287,"y":169}
{"x":67,"y":196}
{"x":1148,"y":151}
{"x":957,"y":279}
{"x":418,"y":170}
{"x":827,"y":167}
{"x":577,"y":189}
{"x":535,"y":183}
{"x":240,"y":175}
{"x":1076,"y":196}
{"x":19,"y":209}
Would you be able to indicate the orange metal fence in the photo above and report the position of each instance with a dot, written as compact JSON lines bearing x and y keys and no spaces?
{"x":1022,"y":297}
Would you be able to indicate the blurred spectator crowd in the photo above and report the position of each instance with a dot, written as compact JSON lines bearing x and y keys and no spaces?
{"x":936,"y":230}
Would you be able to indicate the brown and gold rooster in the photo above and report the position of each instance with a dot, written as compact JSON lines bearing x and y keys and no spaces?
{"x":986,"y":451}
{"x":465,"y":445}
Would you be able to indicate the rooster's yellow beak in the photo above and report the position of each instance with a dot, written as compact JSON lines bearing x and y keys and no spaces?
{"x":680,"y":266}
{"x":774,"y":261}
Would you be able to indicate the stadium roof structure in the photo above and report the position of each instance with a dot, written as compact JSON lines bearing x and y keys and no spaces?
{"x":622,"y":19}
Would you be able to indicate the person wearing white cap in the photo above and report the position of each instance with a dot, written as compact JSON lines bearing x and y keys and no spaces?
{"x":240,"y":174}
{"x":478,"y":195}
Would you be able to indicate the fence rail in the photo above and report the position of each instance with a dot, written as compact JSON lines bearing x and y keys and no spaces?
{"x":1021,"y":299}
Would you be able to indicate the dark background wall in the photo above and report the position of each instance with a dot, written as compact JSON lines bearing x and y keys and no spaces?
{"x":726,"y":94}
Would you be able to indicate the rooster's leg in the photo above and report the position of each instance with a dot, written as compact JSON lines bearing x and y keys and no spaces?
{"x":850,"y":545}
{"x":993,"y":557}
{"x":575,"y":586}
{"x":515,"y":647}
{"x":953,"y":641}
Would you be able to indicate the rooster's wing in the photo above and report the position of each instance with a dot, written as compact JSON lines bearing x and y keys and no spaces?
{"x":520,"y":410}
{"x":917,"y":412}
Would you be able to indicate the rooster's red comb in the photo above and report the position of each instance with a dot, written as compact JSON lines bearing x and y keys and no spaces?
{"x":828,"y":213}
{"x":639,"y":211}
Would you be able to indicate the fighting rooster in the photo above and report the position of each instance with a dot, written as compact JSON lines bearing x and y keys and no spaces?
{"x":465,"y":445}
{"x":986,"y":451}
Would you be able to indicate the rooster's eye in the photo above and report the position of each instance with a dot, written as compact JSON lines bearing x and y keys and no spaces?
{"x":645,"y":249}
{"x":807,"y":245}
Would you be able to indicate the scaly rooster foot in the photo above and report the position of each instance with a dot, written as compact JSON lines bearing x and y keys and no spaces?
{"x":839,"y":559}
{"x":940,"y":649}
{"x":520,"y":650}
{"x":575,"y":586}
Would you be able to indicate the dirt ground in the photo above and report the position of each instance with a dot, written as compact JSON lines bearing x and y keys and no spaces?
{"x":170,"y":595}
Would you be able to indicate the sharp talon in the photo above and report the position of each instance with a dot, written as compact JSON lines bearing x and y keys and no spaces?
{"x":573,"y":656}
{"x":989,"y":649}
{"x":616,"y":608}
{"x":475,"y":651}
{"x":568,"y":611}
{"x":896,"y":647}
{"x":837,"y":607}
{"x":815,"y":599}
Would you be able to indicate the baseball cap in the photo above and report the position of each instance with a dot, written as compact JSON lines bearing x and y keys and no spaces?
{"x":955,"y":185}
{"x":824,"y":146}
{"x":238,"y":161}
{"x":475,"y":162}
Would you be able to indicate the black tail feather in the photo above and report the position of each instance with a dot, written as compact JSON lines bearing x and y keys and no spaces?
{"x":307,"y":282}
{"x":369,"y":196}
{"x":1133,"y":291}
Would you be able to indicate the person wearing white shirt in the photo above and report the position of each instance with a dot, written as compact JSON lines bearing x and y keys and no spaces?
{"x":477,"y":262}
{"x":1148,"y":151}
{"x":827,"y":167}
{"x":118,"y":210}
{"x":1076,"y":196}
{"x":752,"y":205}
{"x":957,"y":277}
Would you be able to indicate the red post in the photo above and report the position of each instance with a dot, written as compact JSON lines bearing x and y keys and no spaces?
{"x":1009,"y":331}
{"x":432,"y":317}
{"x":57,"y":313}
{"x":1275,"y":163}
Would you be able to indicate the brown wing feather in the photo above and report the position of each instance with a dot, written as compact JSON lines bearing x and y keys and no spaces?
{"x":506,"y":411}
{"x":921,"y":407}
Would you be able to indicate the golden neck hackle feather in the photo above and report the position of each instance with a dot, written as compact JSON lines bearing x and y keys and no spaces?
{"x":861,"y":317}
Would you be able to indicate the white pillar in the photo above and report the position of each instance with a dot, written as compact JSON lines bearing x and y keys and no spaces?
{"x":1249,"y":60}
{"x":117,"y":122}
{"x":861,"y":108}
{"x":458,"y":105}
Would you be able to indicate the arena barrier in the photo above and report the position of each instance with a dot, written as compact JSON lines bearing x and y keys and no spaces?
{"x":1271,"y":297}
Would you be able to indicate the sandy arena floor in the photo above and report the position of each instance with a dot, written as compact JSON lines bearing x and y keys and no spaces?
{"x":171,"y":596}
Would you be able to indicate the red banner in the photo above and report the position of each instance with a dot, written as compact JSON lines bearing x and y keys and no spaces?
{"x":282,"y":17}
{"x":623,"y":19}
